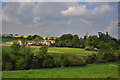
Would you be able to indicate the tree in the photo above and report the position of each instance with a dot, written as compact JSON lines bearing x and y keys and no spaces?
{"x":75,"y":41}
{"x":37,"y":40}
{"x":104,"y":37}
{"x":43,"y":49}
{"x":82,"y":43}
{"x":68,"y":37}
{"x":29,"y":37}
{"x":51,"y":38}
{"x":92,"y":41}
{"x":35,"y":36}
{"x":16,"y":47}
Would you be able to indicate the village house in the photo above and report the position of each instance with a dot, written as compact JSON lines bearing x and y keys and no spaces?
{"x":42,"y":42}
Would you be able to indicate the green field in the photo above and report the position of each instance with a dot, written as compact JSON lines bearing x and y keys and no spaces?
{"x":107,"y":70}
{"x":65,"y":50}
{"x":57,"y":50}
{"x":87,"y":71}
{"x":4,"y":40}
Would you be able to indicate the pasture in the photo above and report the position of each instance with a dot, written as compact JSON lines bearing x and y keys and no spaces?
{"x":56,"y":50}
{"x":88,"y":71}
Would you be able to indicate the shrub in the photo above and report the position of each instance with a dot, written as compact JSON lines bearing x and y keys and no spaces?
{"x":28,"y":60}
{"x":20,"y":64}
{"x":109,"y":56}
{"x":100,"y":59}
{"x":6,"y":60}
{"x":91,"y":58}
{"x":49,"y":61}
{"x":8,"y":66}
{"x":71,"y":60}
{"x":36,"y":61}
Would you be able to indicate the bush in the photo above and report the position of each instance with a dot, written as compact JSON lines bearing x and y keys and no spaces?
{"x":8,"y":66}
{"x":64,"y":61}
{"x":91,"y":58}
{"x":109,"y":56}
{"x":6,"y":60}
{"x":49,"y":61}
{"x":71,"y":60}
{"x":20,"y":64}
{"x":100,"y":59}
{"x":36,"y":61}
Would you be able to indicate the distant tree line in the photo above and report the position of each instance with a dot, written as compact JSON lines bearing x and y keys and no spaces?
{"x":69,"y":40}
{"x":29,"y":37}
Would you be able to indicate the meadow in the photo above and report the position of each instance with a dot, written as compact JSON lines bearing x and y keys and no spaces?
{"x":104,"y":70}
{"x":87,"y":71}
{"x":56,"y":50}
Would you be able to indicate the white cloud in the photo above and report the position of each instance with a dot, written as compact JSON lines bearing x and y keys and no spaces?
{"x":113,"y":25}
{"x":22,"y":17}
{"x":102,"y":9}
{"x":5,"y":17}
{"x":86,"y":21}
{"x":82,"y":10}
{"x":36,"y":20}
{"x":75,"y":11}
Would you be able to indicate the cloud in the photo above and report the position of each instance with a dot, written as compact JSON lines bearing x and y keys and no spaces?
{"x":112,"y":26}
{"x":75,"y":11}
{"x":55,"y":18}
{"x":18,"y":13}
{"x":101,"y":10}
{"x":82,"y":10}
{"x":36,"y":20}
{"x":5,"y":17}
{"x":86,"y":21}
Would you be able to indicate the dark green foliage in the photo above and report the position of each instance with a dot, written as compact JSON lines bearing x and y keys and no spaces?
{"x":109,"y":56}
{"x":92,"y":41}
{"x":75,"y":41}
{"x":64,"y":61}
{"x":43,"y":49}
{"x":6,"y":60}
{"x":16,"y":48}
{"x":67,"y":37}
{"x":35,"y":36}
{"x":82,"y":43}
{"x":51,"y":38}
{"x":100,"y":59}
{"x":48,"y":62}
{"x":29,"y":37}
{"x":107,"y":50}
{"x":36,"y":61}
{"x":20,"y":64}
{"x":91,"y":58}
{"x":71,"y":60}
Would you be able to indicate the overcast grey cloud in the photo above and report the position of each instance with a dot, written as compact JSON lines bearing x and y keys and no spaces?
{"x":57,"y":18}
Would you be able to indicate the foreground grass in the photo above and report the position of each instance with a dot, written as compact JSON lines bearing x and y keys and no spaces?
{"x":88,"y":71}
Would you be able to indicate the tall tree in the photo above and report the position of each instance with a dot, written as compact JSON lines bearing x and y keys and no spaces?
{"x":75,"y":41}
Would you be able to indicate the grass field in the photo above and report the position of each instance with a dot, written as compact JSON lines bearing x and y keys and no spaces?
{"x":4,"y":40}
{"x":57,"y":50}
{"x":65,"y":50}
{"x":88,"y":71}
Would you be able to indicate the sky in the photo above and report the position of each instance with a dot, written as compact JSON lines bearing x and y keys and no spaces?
{"x":52,"y":19}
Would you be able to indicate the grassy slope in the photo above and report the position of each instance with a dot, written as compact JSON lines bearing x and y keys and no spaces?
{"x":63,"y":50}
{"x":88,"y":71}
{"x":4,"y":40}
{"x":66,"y":50}
{"x":60,"y":50}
